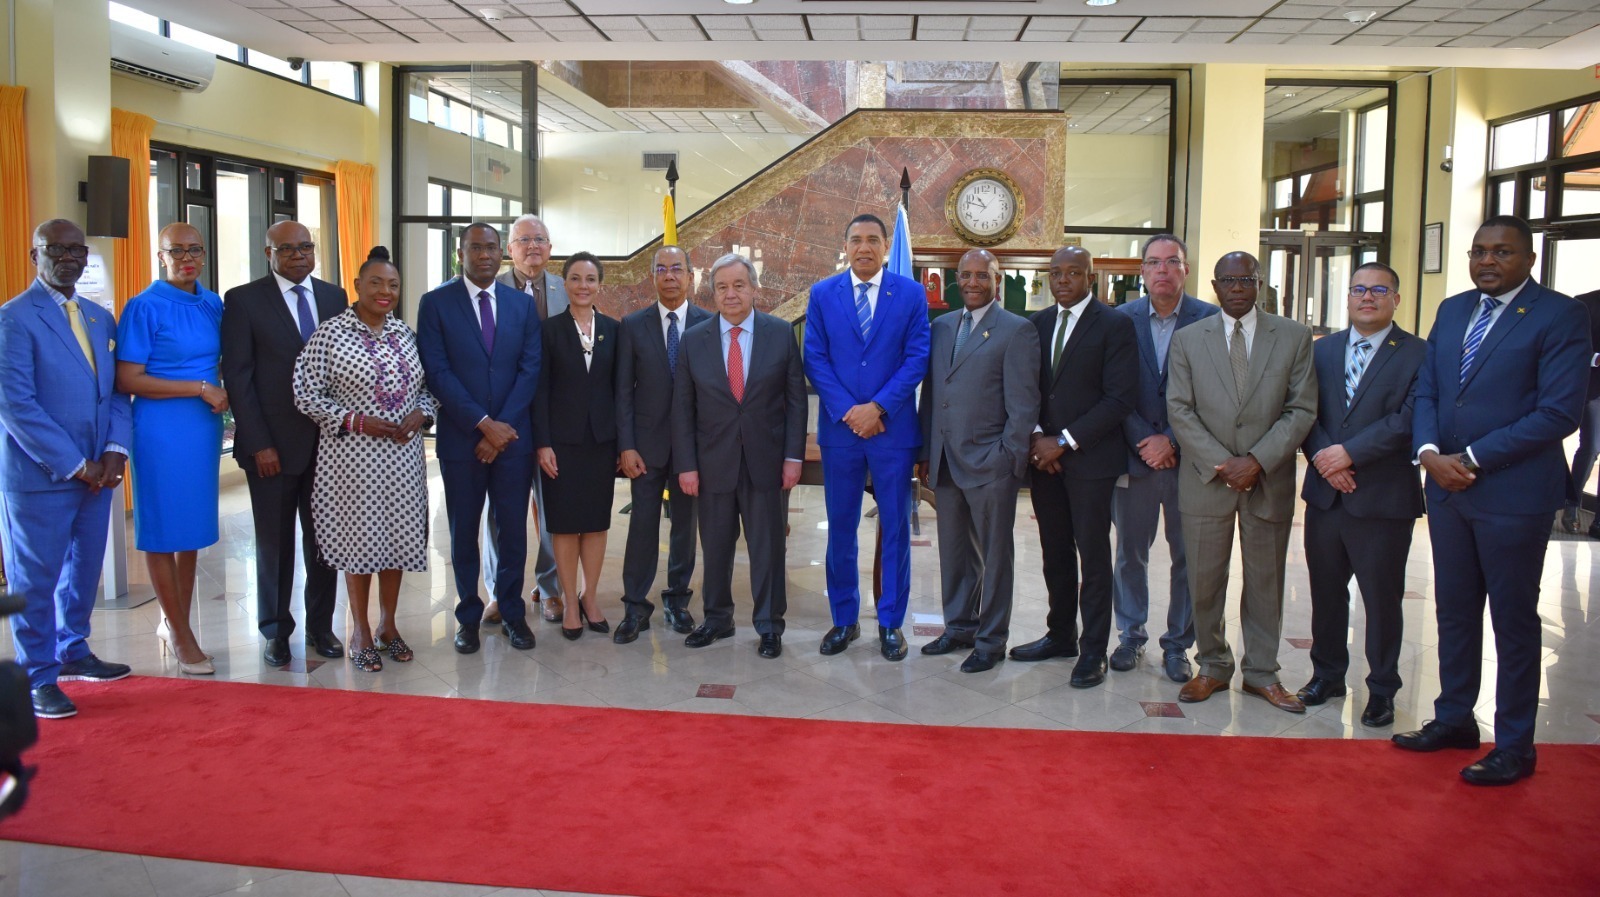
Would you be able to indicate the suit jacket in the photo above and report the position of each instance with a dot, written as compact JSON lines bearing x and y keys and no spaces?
{"x":1591,"y":302}
{"x":978,"y":408}
{"x":577,"y":404}
{"x":555,"y":290}
{"x":1212,"y":423}
{"x":887,"y":368}
{"x":644,"y":383}
{"x":1523,"y":394}
{"x":260,"y":342}
{"x":713,"y":434}
{"x":55,"y":410}
{"x":1094,"y":390}
{"x":1375,"y":428}
{"x":1149,"y":415}
{"x":467,"y":380}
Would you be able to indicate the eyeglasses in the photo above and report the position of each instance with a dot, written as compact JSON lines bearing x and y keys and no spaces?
{"x":185,"y":252}
{"x":669,"y":269}
{"x":537,"y":241}
{"x":1173,"y":262}
{"x":1359,"y":291}
{"x":295,"y":248}
{"x":1478,"y":254}
{"x":62,"y":250}
{"x":1228,"y":282}
{"x":482,"y":248}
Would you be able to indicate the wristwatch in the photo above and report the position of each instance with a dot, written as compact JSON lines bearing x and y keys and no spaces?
{"x":1061,"y":440}
{"x":1467,"y":462}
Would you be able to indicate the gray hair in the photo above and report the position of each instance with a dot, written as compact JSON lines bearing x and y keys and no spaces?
{"x":734,"y":258}
{"x":528,"y":219}
{"x":1165,"y":238}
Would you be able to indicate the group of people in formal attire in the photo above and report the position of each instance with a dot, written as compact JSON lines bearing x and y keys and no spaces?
{"x":1114,"y":418}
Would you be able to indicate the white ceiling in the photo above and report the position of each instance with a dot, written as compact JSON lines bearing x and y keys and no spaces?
{"x":1519,"y":33}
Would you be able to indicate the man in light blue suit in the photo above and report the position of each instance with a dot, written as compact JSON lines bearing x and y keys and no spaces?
{"x":866,"y":353}
{"x":61,"y":456}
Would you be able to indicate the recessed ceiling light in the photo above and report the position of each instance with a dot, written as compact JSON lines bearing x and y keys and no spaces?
{"x":1360,"y":16}
{"x":1289,"y":93}
{"x":492,"y":14}
{"x":739,"y":2}
{"x":1099,"y":2}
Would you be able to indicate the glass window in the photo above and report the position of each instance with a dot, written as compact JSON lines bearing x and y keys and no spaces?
{"x":272,"y":64}
{"x":1503,"y":197}
{"x":1580,"y":194}
{"x":341,"y":78}
{"x":1521,"y":142}
{"x":140,"y":20}
{"x":314,"y":208}
{"x":242,"y":218}
{"x":203,"y":41}
{"x":1118,"y":143}
{"x":436,"y":199}
{"x":1577,"y":266}
{"x":1537,"y":197}
{"x":1580,"y":130}
{"x":1372,"y":216}
{"x":1370,"y":173}
{"x":1325,"y":153}
{"x":438,"y":110}
{"x":496,"y":131}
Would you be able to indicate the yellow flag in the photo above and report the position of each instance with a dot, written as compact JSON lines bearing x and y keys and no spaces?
{"x":669,"y":217}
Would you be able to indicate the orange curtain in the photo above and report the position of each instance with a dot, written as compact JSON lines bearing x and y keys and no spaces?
{"x":130,"y":139}
{"x":15,"y":269}
{"x":353,"y":190}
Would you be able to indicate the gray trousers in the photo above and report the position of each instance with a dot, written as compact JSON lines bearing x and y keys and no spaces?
{"x":644,"y":543}
{"x":762,"y":513}
{"x":1263,"y":548}
{"x":544,"y":565}
{"x":1136,"y":510}
{"x":977,"y":557}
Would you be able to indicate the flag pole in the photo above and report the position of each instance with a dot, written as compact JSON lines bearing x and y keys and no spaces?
{"x":905,"y":187}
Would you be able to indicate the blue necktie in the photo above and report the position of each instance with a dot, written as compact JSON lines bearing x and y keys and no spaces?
{"x":863,"y":310}
{"x":303,"y":310}
{"x":1352,"y":370}
{"x":1480,"y":328}
{"x":672,"y":343}
{"x":961,"y":335}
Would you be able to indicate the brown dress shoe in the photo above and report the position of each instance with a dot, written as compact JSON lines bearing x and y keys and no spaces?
{"x":1199,"y":688}
{"x":491,"y":612}
{"x":1276,"y":695}
{"x":550,"y":608}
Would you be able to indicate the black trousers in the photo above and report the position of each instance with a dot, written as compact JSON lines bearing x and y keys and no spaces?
{"x":1339,"y":546}
{"x":275,"y":503}
{"x":644,"y":543}
{"x":1075,"y":527}
{"x":761,"y":511}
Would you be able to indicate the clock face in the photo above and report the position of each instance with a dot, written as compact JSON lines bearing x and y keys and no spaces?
{"x":985,"y":207}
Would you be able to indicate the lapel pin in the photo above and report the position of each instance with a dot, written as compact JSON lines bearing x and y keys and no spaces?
{"x":600,"y":339}
{"x":111,"y":345}
{"x":1522,"y":309}
{"x":986,"y":334}
{"x":1393,"y":343}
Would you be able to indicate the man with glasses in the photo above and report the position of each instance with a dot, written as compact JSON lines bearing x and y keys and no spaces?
{"x":1150,"y":490}
{"x":480,"y":343}
{"x":1362,"y":493}
{"x":646,"y":366}
{"x":1502,"y":387}
{"x":1241,"y":396}
{"x":264,"y":325}
{"x":63,"y":428}
{"x":530,"y":252}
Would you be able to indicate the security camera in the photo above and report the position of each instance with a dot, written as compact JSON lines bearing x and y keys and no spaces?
{"x":1447,"y":166}
{"x":297,"y":63}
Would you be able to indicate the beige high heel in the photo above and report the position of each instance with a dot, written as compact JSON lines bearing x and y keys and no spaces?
{"x":203,"y":668}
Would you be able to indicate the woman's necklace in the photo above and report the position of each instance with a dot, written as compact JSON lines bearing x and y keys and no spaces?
{"x":585,"y":340}
{"x":390,"y":400}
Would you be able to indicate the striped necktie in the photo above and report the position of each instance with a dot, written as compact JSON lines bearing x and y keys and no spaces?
{"x":1480,"y":329}
{"x":961,"y":335}
{"x":1354,"y":367}
{"x":863,"y":310}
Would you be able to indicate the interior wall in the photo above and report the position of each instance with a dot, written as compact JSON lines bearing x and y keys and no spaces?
{"x":1229,"y":116}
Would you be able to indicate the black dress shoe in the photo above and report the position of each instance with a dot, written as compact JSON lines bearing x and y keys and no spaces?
{"x":520,"y":635}
{"x":466,"y":639}
{"x":678,"y":619}
{"x":1176,"y":666}
{"x":326,"y":644}
{"x":277,"y":652}
{"x":92,"y":669}
{"x":1319,"y":691}
{"x":630,"y":627}
{"x":1379,"y":712}
{"x":771,"y":646}
{"x":838,"y":637}
{"x":704,"y":635}
{"x":1089,"y":671}
{"x":1044,"y":649}
{"x":892,"y":643}
{"x":1436,"y":736}
{"x":50,"y":702}
{"x":978,"y":661}
{"x":1126,"y":657}
{"x":944,"y":644}
{"x":1500,"y":767}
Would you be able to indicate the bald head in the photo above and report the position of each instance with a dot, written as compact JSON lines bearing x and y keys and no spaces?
{"x":290,"y":251}
{"x":1071,"y":275}
{"x":60,"y":253}
{"x":178,"y":234}
{"x":978,"y":276}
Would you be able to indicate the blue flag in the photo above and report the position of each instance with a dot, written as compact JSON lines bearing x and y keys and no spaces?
{"x":900,"y":250}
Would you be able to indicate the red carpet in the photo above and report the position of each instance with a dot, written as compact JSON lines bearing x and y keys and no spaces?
{"x":650,"y":803}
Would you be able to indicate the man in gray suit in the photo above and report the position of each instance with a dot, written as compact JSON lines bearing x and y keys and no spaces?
{"x":738,"y":439}
{"x":1241,"y":395}
{"x":530,"y":251}
{"x":647,"y":363}
{"x":979,"y":404}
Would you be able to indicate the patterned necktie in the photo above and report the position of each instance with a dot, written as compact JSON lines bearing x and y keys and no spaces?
{"x":537,"y":292}
{"x":672,"y":343}
{"x":302,"y":310}
{"x":1239,"y":358}
{"x":1480,"y":329}
{"x":76,"y":321}
{"x":1061,"y":341}
{"x":486,"y":318}
{"x":735,"y":364}
{"x":863,"y":310}
{"x":1354,"y":368}
{"x":961,"y":335}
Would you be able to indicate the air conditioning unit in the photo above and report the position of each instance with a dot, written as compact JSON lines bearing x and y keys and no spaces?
{"x":140,"y":54}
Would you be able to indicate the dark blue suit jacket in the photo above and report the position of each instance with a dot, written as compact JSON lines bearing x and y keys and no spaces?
{"x":1149,"y":414}
{"x":469,"y":382}
{"x":1522,"y":396}
{"x":886,"y":368}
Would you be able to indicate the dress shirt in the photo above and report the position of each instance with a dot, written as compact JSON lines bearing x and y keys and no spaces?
{"x":472,"y":306}
{"x":588,"y":356}
{"x":1374,"y":340}
{"x":286,"y":289}
{"x":1065,"y":317}
{"x":977,"y":316}
{"x":61,"y":303}
{"x":1249,"y":322}
{"x":872,"y":291}
{"x":1161,"y":331}
{"x":683,"y":319}
{"x":746,"y":343}
{"x":1505,"y":299}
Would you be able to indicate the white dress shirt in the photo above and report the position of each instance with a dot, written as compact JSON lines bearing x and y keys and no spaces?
{"x":1067,"y":318}
{"x":683,"y":319}
{"x":1249,"y":322}
{"x":876,"y":283}
{"x":286,"y":288}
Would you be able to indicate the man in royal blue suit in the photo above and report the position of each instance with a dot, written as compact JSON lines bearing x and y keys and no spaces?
{"x":480,"y":345}
{"x":866,"y":352}
{"x":1502,"y":387}
{"x":60,"y":458}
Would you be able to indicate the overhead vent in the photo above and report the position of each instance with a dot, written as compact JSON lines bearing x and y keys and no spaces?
{"x":140,"y":54}
{"x":659,"y":161}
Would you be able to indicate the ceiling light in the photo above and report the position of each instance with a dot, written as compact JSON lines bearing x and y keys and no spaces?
{"x":1360,"y":16}
{"x":1099,"y":2}
{"x":492,"y":14}
{"x":739,"y":2}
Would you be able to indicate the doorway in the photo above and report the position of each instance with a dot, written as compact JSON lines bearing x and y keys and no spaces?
{"x":1305,"y":274}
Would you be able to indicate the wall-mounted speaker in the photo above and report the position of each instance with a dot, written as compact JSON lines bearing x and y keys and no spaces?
{"x":106,"y":193}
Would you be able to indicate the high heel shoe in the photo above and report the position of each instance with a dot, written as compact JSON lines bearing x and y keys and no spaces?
{"x":202,"y":668}
{"x":572,"y":635}
{"x":595,"y":625}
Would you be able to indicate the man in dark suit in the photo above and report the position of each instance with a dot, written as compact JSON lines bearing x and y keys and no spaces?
{"x":738,"y":440}
{"x":648,"y":361}
{"x":1503,"y":386}
{"x":1150,"y":491}
{"x":480,"y":344}
{"x":866,"y":352}
{"x":1088,"y":381}
{"x":1362,"y":493}
{"x":1588,"y":428}
{"x":979,"y":405}
{"x":1241,"y":395}
{"x":264,"y":324}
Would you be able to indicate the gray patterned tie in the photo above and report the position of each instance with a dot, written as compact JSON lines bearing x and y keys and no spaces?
{"x":961,"y":335}
{"x":1239,"y":357}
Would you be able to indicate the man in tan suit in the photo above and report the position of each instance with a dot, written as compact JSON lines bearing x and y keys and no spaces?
{"x":1241,"y":396}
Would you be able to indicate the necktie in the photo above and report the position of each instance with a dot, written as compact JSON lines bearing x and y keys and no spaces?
{"x":1239,"y":358}
{"x":672,"y":343}
{"x":537,"y":292}
{"x":76,"y":320}
{"x":961,"y":335}
{"x":302,"y":310}
{"x":1061,"y":341}
{"x":863,"y":310}
{"x":486,"y":317}
{"x":735,"y":364}
{"x":1353,"y":370}
{"x":1480,"y":329}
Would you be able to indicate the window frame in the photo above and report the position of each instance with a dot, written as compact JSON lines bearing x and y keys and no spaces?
{"x":1172,"y":155}
{"x":1552,"y":226}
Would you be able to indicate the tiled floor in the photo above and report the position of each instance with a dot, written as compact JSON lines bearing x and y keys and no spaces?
{"x":658,"y":672}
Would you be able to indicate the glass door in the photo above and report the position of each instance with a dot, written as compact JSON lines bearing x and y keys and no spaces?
{"x":1305,"y":274}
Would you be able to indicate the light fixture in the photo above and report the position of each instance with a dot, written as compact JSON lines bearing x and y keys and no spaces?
{"x":1099,"y":2}
{"x":739,"y":2}
{"x":1289,"y":94}
{"x":1360,"y":16}
{"x":492,"y":14}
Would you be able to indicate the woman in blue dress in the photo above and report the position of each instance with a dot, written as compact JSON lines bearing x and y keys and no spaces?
{"x":168,"y":342}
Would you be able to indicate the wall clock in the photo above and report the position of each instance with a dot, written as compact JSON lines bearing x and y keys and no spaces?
{"x":984,"y":207}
